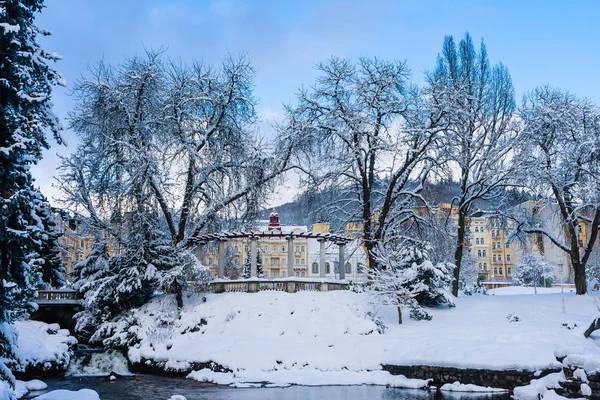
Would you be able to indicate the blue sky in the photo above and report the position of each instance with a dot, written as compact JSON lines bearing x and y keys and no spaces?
{"x":542,"y":42}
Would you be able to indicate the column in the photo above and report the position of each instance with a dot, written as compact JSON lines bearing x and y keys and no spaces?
{"x":253,"y":253}
{"x":290,"y":255}
{"x":321,"y":258}
{"x":221,"y":261}
{"x":341,"y":262}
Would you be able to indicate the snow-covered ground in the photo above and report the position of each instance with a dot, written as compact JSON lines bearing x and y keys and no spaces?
{"x":512,"y":290}
{"x":43,"y":345}
{"x":319,"y":338}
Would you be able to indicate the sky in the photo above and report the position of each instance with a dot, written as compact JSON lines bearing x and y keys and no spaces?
{"x":541,"y":42}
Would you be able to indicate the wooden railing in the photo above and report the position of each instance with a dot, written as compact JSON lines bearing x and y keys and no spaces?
{"x":290,"y":286}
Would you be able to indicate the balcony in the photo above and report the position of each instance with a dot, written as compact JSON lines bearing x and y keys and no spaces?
{"x":300,"y":266}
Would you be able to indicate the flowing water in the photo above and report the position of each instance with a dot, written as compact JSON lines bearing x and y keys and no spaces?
{"x":146,"y":387}
{"x":91,"y":368}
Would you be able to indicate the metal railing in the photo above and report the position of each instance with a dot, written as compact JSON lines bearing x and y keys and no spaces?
{"x":58,"y":295}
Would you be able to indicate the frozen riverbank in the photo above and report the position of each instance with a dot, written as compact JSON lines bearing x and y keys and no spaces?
{"x":305,"y":337}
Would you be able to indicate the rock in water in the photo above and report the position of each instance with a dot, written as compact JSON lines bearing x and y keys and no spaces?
{"x":36,"y":384}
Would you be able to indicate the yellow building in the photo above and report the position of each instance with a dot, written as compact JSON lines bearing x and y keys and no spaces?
{"x":489,"y":246}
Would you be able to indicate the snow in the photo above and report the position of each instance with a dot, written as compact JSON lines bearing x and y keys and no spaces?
{"x":307,"y":377}
{"x":585,"y":389}
{"x":36,"y":384}
{"x":459,"y":387}
{"x":177,"y":397}
{"x":38,"y":345}
{"x":325,"y":337}
{"x":515,"y":290}
{"x":541,"y":386}
{"x":9,"y":28}
{"x":83,"y":394}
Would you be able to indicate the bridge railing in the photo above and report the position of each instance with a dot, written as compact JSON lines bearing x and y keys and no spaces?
{"x":58,"y":295}
{"x":290,"y":286}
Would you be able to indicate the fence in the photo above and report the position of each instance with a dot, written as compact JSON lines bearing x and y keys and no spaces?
{"x":290,"y":286}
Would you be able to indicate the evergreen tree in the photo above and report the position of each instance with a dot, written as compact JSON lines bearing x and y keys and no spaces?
{"x":533,"y":270}
{"x":25,"y":117}
{"x":259,"y":267}
{"x":47,"y":265}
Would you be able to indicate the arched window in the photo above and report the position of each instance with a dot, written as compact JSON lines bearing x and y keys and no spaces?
{"x":348,"y":268}
{"x":327,"y":268}
{"x":315,"y":268}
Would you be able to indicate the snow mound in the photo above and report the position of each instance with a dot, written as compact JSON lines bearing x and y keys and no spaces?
{"x":459,"y":387}
{"x":177,"y":397}
{"x":83,"y":394}
{"x":36,"y":384}
{"x":42,"y":344}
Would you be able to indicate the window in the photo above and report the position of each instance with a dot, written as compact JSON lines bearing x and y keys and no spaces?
{"x":480,"y":266}
{"x":476,"y":229}
{"x":266,"y":248}
{"x":496,"y":271}
{"x":327,"y":268}
{"x":283,"y":249}
{"x":560,"y":268}
{"x":274,"y":248}
{"x":302,"y":274}
{"x":484,"y":253}
{"x":479,"y":253}
{"x":297,"y":273}
{"x":283,"y":274}
{"x":482,"y":230}
{"x":508,"y":257}
{"x":485,"y":266}
{"x":580,"y":243}
{"x":210,"y":261}
{"x":302,"y":249}
{"x":494,"y":258}
{"x":297,"y":261}
{"x":501,"y":271}
{"x":509,"y":270}
{"x":482,"y":241}
{"x":297,"y":249}
{"x":348,"y":268}
{"x":360,"y":268}
{"x":477,"y":241}
{"x":274,"y":274}
{"x":315,"y":268}
{"x":508,"y":245}
{"x":284,"y":260}
{"x":266,"y":261}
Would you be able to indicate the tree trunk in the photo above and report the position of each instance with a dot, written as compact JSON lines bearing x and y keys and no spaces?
{"x":399,"y":315}
{"x":178,"y":295}
{"x":458,"y":254}
{"x":579,"y":269}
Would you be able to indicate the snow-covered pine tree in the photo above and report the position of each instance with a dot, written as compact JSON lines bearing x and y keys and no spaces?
{"x":47,"y":264}
{"x":409,"y":278}
{"x":247,"y":265}
{"x":533,"y":270}
{"x":25,"y":117}
{"x":96,"y":279}
{"x":260,"y":273}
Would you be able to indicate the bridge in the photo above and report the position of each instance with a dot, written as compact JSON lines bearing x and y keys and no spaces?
{"x":57,"y":306}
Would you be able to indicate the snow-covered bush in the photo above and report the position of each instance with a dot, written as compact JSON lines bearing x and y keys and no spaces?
{"x":407,"y":277}
{"x":533,"y":270}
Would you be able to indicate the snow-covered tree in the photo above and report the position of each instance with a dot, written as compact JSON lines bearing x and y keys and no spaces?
{"x":366,"y":141}
{"x":561,"y":165}
{"x":478,"y":104}
{"x":533,"y":270}
{"x":26,"y":118}
{"x":233,"y":270}
{"x":407,"y":277}
{"x":248,"y":267}
{"x":96,"y":279}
